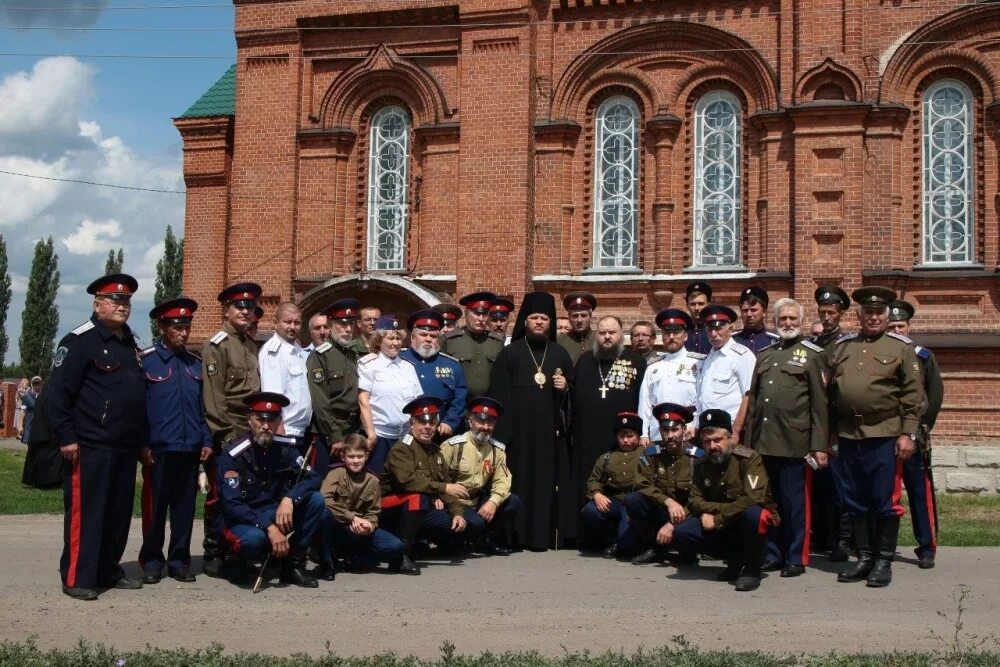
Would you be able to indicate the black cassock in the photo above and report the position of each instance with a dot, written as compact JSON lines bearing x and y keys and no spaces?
{"x":594,"y":411}
{"x":529,"y":426}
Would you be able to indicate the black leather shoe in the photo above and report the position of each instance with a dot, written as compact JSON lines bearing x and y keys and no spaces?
{"x":926,"y":561}
{"x":404,"y":565}
{"x":610,"y":552}
{"x":184,"y":576}
{"x":747,"y":583}
{"x":859,"y":570}
{"x":327,"y":572}
{"x":648,"y":556}
{"x":151,"y":576}
{"x":881,"y":574}
{"x":212,"y":567}
{"x":293,"y":571}
{"x":793,"y":570}
{"x":486,"y":545}
{"x":126,"y":584}
{"x":86,"y":594}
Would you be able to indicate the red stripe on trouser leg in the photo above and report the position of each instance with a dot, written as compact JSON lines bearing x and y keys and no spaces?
{"x":897,"y":490}
{"x":411,"y":500}
{"x":931,"y":513}
{"x":808,"y":480}
{"x":234,"y":541}
{"x":762,"y":523}
{"x":75,"y":522}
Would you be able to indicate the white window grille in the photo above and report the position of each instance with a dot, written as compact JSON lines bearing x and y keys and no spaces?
{"x":388,"y":164}
{"x":948,"y":197}
{"x":616,"y":184}
{"x":717,"y":164}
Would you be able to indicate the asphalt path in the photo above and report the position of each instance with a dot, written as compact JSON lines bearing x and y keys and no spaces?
{"x":550,"y":602}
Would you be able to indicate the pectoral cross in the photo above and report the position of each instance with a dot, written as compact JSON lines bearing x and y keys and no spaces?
{"x":604,"y":391}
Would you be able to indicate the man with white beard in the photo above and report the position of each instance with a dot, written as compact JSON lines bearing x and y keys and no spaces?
{"x":787,"y":424}
{"x":440,"y":375}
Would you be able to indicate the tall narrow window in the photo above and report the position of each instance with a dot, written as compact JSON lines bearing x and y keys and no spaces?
{"x":388,"y":164}
{"x":616,"y":184}
{"x":717,"y":164}
{"x":948,"y":197}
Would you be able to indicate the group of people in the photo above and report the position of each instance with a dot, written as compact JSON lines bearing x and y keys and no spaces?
{"x":380,"y":438}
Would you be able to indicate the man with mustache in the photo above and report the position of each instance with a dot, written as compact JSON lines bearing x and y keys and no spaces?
{"x":440,"y":374}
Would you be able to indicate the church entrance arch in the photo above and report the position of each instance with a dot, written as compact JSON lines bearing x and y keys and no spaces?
{"x":390,"y":293}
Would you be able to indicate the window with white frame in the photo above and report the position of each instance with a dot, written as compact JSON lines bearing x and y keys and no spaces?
{"x":947,"y":165}
{"x":717,"y":165}
{"x":616,"y":184}
{"x":388,"y":167}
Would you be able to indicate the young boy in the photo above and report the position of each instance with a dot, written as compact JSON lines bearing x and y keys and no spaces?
{"x":353,"y":500}
{"x":616,"y":474}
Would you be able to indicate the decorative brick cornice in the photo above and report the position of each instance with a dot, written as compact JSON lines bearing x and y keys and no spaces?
{"x":663,"y":128}
{"x":338,"y":139}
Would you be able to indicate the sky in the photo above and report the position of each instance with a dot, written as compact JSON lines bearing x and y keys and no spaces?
{"x":69,"y":111}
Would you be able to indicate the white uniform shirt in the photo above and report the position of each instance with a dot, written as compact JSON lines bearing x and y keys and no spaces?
{"x":725,"y":377}
{"x":673,"y":378}
{"x":283,"y":369}
{"x":392,"y":384}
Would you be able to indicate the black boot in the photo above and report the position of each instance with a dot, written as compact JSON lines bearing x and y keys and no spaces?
{"x":487,"y":545}
{"x":754,"y":549}
{"x":732,"y":571}
{"x":404,"y":565}
{"x":841,"y":550}
{"x":293,"y":571}
{"x":888,"y":533}
{"x":866,"y":559}
{"x":327,"y":571}
{"x":653,"y":555}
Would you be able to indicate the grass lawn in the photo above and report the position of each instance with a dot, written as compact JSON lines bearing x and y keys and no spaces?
{"x":966,"y":520}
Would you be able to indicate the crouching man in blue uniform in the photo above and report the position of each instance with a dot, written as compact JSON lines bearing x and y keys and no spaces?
{"x":259,"y":515}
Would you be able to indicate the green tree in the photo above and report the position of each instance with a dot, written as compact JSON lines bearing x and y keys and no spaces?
{"x":115,"y":262}
{"x":5,"y":295}
{"x":169,"y":274}
{"x":40,"y":318}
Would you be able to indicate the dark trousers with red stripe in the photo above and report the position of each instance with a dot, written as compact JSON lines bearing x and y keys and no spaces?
{"x":212,"y":542}
{"x":791,"y":483}
{"x":170,"y":485}
{"x":868,"y":476}
{"x":98,"y":491}
{"x":923,"y":508}
{"x":734,"y":541}
{"x":411,"y":516}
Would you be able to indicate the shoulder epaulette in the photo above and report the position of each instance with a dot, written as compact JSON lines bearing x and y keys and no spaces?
{"x":83,"y":328}
{"x":499,"y":337}
{"x":658,"y":357}
{"x":237,"y":447}
{"x":446,"y":355}
{"x":742,"y":452}
{"x":324,"y":347}
{"x":272,"y":345}
{"x":407,"y":439}
{"x":922,"y":352}
{"x":454,"y":333}
{"x":811,"y":345}
{"x":695,"y":452}
{"x":738,"y":331}
{"x":773,"y":335}
{"x":739,"y":348}
{"x":499,"y":445}
{"x":767,"y":347}
{"x":846,"y":337}
{"x":218,"y":338}
{"x":148,"y":351}
{"x":455,"y":440}
{"x":284,"y":440}
{"x":367,"y":358}
{"x":696,"y":355}
{"x":893,"y":334}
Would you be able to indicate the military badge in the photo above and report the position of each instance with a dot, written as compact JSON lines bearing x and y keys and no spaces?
{"x":232,"y":479}
{"x":211,"y":368}
{"x":60,"y":356}
{"x":318,"y":375}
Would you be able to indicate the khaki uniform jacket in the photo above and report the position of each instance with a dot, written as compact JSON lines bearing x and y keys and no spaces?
{"x":476,"y":354}
{"x":669,"y":477}
{"x":479,"y":468}
{"x":576,"y":347}
{"x":333,"y":387}
{"x":231,"y":372}
{"x":617,"y":474}
{"x":876,"y":387}
{"x":415,"y":468}
{"x":348,"y":495}
{"x":727,"y":490}
{"x":788,"y":410}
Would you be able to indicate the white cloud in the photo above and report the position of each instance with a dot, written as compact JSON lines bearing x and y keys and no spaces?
{"x":24,"y":198}
{"x":93,"y":237}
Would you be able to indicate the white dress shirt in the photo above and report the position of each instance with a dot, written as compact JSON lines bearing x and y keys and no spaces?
{"x":725,"y":377}
{"x":283,"y":369}
{"x":392,"y":383}
{"x":673,"y":378}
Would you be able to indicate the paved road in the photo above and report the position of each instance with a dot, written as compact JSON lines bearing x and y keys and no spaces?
{"x":528,"y":601}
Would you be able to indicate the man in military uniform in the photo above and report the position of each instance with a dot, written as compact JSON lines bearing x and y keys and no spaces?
{"x":319,"y":331}
{"x":179,"y":440}
{"x":474,"y":345}
{"x":877,"y":401}
{"x":643,"y":337}
{"x":917,"y":476}
{"x":333,"y":379}
{"x":580,"y":339}
{"x":753,"y":311}
{"x":673,"y":378}
{"x":725,"y":376}
{"x":417,"y":497}
{"x":787,"y":424}
{"x":478,"y":462}
{"x":269,"y":503}
{"x":731,"y":509}
{"x":229,"y":362}
{"x":697,"y":297}
{"x":658,"y":508}
{"x":500,"y":316}
{"x":97,"y":416}
{"x":831,"y":303}
{"x":450,"y":315}
{"x":440,"y":374}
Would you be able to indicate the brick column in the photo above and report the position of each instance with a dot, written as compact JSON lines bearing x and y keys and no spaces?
{"x":658,"y":252}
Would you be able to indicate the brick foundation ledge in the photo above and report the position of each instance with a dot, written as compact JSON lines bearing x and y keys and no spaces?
{"x":962,"y":468}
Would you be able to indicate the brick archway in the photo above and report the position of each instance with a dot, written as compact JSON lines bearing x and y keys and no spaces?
{"x":390,"y":293}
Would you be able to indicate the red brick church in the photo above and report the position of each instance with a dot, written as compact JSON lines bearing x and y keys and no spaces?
{"x":408,"y":151}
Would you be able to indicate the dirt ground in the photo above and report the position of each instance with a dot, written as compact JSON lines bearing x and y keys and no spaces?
{"x":548,"y":602}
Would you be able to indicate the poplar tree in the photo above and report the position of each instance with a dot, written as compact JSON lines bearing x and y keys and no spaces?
{"x":40,"y":318}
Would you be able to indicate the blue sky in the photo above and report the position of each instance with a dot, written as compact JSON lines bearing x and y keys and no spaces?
{"x":65,"y":112}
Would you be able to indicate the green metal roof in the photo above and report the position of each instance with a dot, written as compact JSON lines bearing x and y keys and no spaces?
{"x":219,"y":100}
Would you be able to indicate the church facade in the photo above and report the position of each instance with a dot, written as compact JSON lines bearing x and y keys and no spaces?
{"x":409,"y":151}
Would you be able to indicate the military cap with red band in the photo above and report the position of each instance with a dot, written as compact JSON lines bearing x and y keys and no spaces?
{"x":485,"y":407}
{"x":266,"y":402}
{"x":241,"y":294}
{"x":479,"y":302}
{"x":672,"y":414}
{"x":449,"y":312}
{"x":715,"y":315}
{"x":114,"y":284}
{"x":343,"y":309}
{"x":424,"y":408}
{"x":579,"y":301}
{"x":673,"y":319}
{"x":425,"y":319}
{"x":501,"y":309}
{"x":628,"y":420}
{"x":175,"y":311}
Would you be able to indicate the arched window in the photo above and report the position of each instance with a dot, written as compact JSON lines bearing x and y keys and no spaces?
{"x":616,"y":184}
{"x":388,"y":166}
{"x":717,"y":164}
{"x":948,"y":197}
